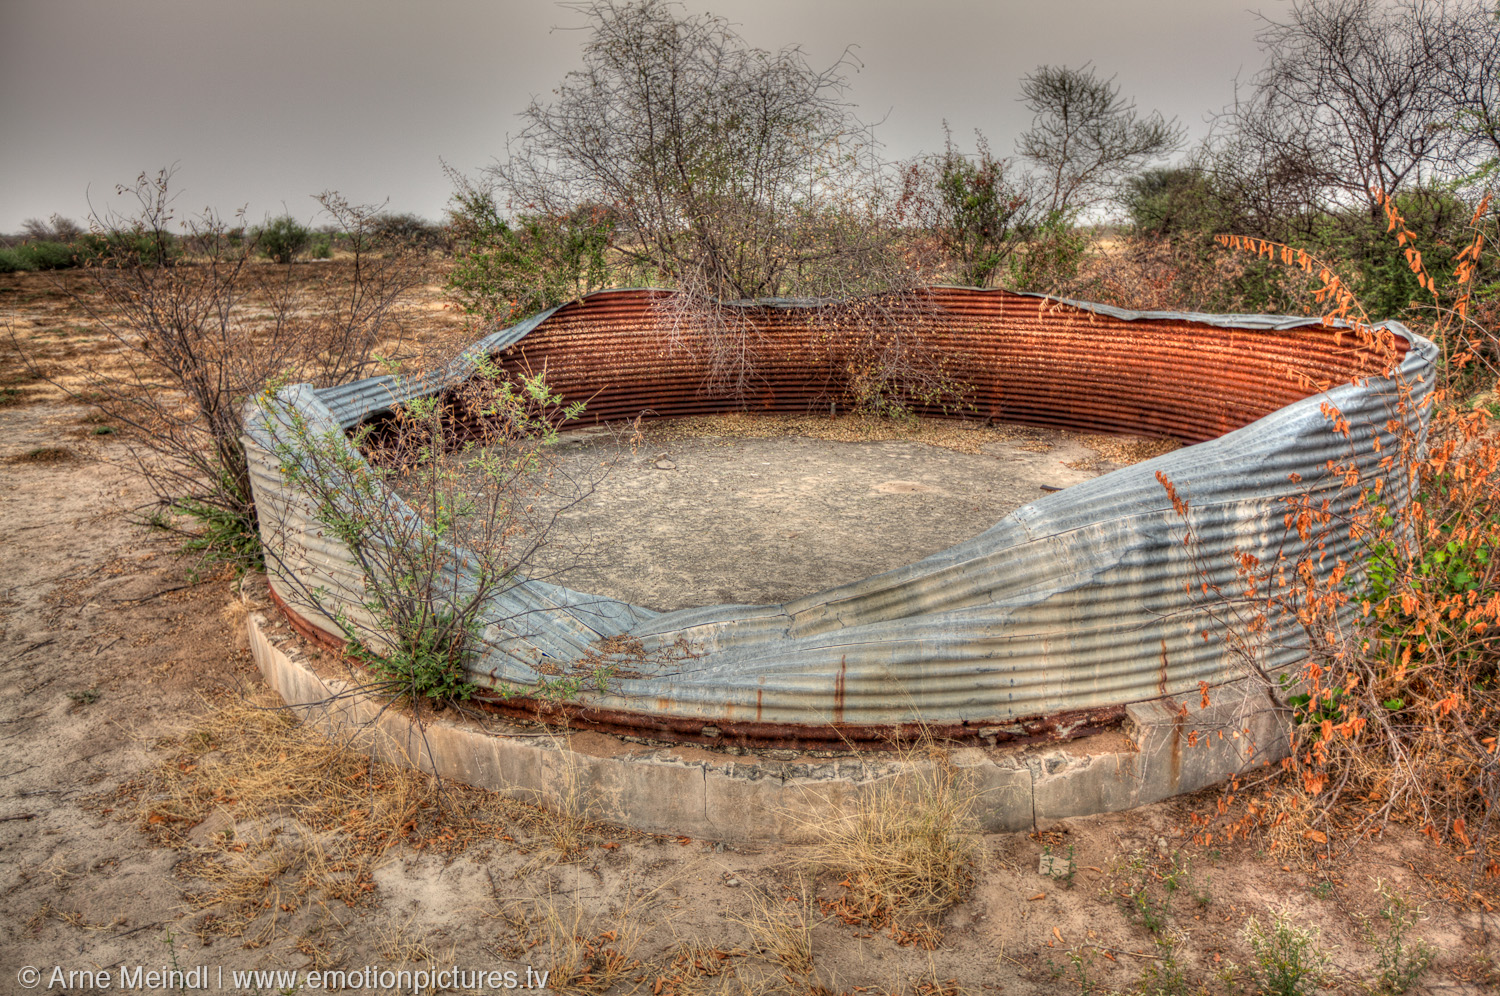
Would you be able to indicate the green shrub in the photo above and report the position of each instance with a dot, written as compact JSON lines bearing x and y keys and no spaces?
{"x":283,"y":239}
{"x":15,"y":261}
{"x":30,"y":256}
{"x":52,"y":255}
{"x":1400,"y":960}
{"x":429,"y":606}
{"x":507,"y":270}
{"x":127,"y":247}
{"x":1051,"y":256}
{"x":1288,"y":960}
{"x":321,"y":246}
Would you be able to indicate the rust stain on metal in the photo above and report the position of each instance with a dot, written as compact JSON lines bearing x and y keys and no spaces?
{"x":838,"y":691}
{"x":1064,"y":366}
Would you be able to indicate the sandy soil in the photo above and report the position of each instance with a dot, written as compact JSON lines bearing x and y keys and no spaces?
{"x":156,"y":810}
{"x":677,"y":520}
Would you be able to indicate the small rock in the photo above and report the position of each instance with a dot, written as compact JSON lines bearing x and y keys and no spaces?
{"x":1055,"y":866}
{"x":665,"y":465}
{"x":733,"y":883}
{"x":1162,"y":847}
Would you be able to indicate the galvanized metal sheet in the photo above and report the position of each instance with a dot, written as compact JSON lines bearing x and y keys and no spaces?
{"x":1086,"y":599}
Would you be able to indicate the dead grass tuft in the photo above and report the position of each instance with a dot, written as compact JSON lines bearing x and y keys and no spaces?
{"x":44,"y":455}
{"x":905,"y":850}
{"x":293,"y":817}
{"x":585,"y":954}
{"x":781,"y":931}
{"x":697,"y":968}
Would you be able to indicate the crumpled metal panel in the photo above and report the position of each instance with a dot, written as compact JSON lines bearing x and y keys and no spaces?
{"x":1084,"y":600}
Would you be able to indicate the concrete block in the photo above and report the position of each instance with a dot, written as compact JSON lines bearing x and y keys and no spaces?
{"x":1186,"y":746}
{"x":1066,"y":785}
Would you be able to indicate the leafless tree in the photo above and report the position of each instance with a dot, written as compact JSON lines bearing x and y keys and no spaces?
{"x":1380,"y":88}
{"x":202,"y":328}
{"x":710,"y":151}
{"x":1471,"y":82}
{"x":57,"y":229}
{"x":732,"y":174}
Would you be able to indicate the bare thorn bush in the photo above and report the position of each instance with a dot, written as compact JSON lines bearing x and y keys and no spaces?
{"x":202,"y":328}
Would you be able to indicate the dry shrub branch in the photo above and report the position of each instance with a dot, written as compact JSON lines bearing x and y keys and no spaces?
{"x":201,"y":328}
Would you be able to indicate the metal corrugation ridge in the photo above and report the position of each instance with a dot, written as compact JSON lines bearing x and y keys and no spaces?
{"x":351,"y":404}
{"x":1081,"y":601}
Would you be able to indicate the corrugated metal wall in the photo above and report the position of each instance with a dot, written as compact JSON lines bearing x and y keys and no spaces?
{"x":1076,"y":602}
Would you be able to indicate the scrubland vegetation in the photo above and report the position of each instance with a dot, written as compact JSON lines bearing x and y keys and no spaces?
{"x":1352,"y":180}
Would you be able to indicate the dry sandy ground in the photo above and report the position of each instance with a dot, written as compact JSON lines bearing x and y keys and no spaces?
{"x":705,"y":512}
{"x":155,"y":810}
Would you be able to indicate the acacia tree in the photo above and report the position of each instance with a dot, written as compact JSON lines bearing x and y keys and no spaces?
{"x":1084,"y":137}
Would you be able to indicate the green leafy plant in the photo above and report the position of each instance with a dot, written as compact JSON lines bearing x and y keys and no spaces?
{"x":1399,"y":959}
{"x":1287,"y":958}
{"x":505,"y":269}
{"x":1137,"y":897}
{"x":1060,"y":867}
{"x":283,"y":239}
{"x":1051,"y":256}
{"x":980,"y":213}
{"x":432,"y":565}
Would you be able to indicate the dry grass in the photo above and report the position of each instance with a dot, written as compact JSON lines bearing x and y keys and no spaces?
{"x":584,"y":954}
{"x":698,"y":968}
{"x":44,"y":454}
{"x":781,"y":931}
{"x":905,"y":850}
{"x":295,"y":818}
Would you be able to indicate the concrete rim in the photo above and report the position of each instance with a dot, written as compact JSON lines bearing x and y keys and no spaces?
{"x":1168,"y":747}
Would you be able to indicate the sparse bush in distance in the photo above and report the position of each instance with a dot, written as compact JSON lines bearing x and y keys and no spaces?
{"x":1085,"y":137}
{"x":411,"y":230}
{"x":56,"y":229}
{"x":283,"y":239}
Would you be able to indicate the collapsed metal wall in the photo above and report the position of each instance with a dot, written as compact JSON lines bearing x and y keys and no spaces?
{"x":1083,"y":601}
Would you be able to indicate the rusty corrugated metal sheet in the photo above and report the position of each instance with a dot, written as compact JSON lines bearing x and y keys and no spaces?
{"x":1071,"y":604}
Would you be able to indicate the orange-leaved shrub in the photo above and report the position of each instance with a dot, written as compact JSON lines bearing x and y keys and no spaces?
{"x":1395,"y":712}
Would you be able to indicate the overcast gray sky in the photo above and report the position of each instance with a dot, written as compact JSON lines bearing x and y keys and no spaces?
{"x":266,"y":102}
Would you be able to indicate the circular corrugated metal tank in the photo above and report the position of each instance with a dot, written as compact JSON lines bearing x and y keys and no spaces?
{"x":1060,"y":614}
